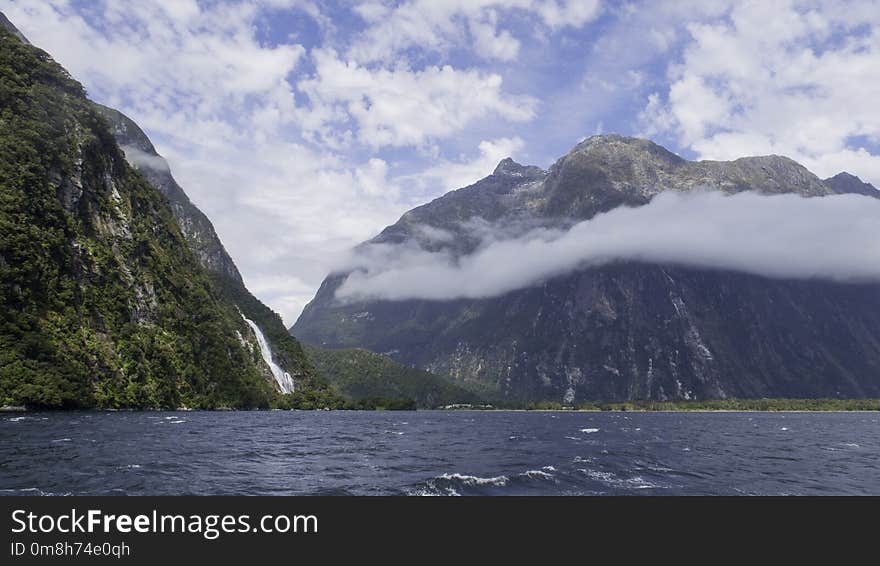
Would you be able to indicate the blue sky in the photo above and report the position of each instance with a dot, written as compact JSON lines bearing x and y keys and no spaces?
{"x":302,"y":128}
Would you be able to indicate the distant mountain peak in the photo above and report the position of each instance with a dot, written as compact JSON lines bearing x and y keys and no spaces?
{"x":616,"y":144}
{"x":509,"y":167}
{"x":847,"y":183}
{"x":616,"y":149}
{"x":846,"y":176}
{"x":505,"y":165}
{"x":600,"y":139}
{"x":772,"y":159}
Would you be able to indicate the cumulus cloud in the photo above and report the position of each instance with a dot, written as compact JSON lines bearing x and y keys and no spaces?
{"x":400,"y":106}
{"x":442,"y":25}
{"x":792,"y":78}
{"x":779,"y":236}
{"x":491,"y":43}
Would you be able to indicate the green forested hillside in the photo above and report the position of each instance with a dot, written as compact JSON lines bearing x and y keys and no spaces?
{"x":204,"y":242}
{"x":360,"y":375}
{"x":101,"y":301}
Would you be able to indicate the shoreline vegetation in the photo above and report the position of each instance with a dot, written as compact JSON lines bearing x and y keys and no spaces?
{"x":709,"y":405}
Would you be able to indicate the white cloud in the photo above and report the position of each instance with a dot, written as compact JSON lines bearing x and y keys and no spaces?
{"x":780,"y":236}
{"x":138,"y":158}
{"x":373,"y":177}
{"x":490,"y":43}
{"x":399,"y":107}
{"x":180,"y":10}
{"x":441,"y":25}
{"x":792,"y":78}
{"x":566,"y":13}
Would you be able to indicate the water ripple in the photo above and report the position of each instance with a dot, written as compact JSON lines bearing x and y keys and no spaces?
{"x":439,"y":453}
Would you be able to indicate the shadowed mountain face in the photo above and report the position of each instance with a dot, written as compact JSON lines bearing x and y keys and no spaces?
{"x":624,"y":330}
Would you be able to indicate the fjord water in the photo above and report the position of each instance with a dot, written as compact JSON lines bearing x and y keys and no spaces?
{"x":440,"y":453}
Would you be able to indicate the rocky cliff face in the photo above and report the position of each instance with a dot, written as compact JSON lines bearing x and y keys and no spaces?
{"x":115,"y":290}
{"x":622,"y":331}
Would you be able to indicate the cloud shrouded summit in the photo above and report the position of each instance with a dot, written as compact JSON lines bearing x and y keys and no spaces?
{"x":778,"y":236}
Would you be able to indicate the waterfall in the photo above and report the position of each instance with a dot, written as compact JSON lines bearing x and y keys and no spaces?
{"x":285,"y":382}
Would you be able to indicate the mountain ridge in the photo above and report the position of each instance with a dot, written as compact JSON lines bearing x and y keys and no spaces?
{"x":621,"y":170}
{"x":624,"y":330}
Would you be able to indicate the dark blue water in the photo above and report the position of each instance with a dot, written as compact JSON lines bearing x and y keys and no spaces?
{"x":440,"y":453}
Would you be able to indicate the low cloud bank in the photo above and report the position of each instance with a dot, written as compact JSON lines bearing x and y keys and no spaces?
{"x":780,"y":236}
{"x":139,"y":158}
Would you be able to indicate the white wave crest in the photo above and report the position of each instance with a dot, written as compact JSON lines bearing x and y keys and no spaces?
{"x":475,"y":480}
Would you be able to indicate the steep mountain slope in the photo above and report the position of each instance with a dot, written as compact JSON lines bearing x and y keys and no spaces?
{"x":7,"y":25}
{"x":103,"y":301}
{"x":625,"y":330}
{"x":199,"y":233}
{"x":196,"y":228}
{"x":361,"y":375}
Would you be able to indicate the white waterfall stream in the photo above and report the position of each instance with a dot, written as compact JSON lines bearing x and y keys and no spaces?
{"x":285,"y":382}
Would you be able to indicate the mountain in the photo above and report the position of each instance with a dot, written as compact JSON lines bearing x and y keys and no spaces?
{"x":362,"y":375}
{"x":202,"y":239}
{"x":624,"y":330}
{"x":845,"y":183}
{"x":196,"y":228}
{"x":115,"y":289}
